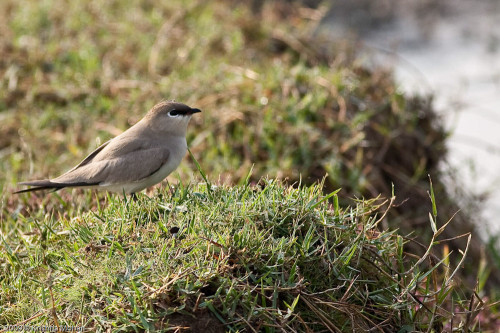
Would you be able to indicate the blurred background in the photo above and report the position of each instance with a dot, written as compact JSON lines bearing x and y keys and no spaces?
{"x":369,"y":96}
{"x":449,"y":49}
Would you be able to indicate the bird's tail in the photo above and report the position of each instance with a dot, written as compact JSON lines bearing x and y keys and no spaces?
{"x":39,"y":185}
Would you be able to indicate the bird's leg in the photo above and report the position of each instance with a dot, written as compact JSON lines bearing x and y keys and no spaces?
{"x":170,"y":189}
{"x":134,"y":197}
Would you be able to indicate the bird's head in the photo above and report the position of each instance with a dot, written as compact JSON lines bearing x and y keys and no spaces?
{"x":171,"y":117}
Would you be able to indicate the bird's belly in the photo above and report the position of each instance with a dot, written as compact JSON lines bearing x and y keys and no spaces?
{"x":162,"y":173}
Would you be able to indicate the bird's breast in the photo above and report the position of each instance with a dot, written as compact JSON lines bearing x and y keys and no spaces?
{"x":175,"y":157}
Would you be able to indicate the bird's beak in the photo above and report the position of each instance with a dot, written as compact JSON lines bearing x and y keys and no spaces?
{"x":193,"y":111}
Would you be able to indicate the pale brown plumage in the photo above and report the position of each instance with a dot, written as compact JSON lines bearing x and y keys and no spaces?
{"x":138,"y":158}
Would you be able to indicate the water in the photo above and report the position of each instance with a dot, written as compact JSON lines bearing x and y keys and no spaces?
{"x":453,"y":51}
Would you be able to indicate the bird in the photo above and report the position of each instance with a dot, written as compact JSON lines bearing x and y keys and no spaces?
{"x":138,"y":158}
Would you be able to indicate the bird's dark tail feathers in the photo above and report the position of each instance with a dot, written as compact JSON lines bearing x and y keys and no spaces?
{"x":40,"y":185}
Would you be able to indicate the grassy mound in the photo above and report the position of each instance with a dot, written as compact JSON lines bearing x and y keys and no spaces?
{"x":275,"y":94}
{"x":249,"y":258}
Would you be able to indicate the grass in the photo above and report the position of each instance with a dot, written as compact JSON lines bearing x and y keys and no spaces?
{"x":263,"y":257}
{"x":275,"y":94}
{"x":277,"y":97}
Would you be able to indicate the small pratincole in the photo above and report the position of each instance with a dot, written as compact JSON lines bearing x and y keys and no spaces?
{"x":140,"y":157}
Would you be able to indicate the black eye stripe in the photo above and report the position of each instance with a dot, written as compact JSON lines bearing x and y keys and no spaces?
{"x":177,"y":112}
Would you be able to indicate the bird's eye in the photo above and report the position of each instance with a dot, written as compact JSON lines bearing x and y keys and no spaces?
{"x":173,"y":113}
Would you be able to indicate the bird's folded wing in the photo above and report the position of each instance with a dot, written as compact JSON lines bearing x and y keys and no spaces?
{"x":92,"y":155}
{"x":113,"y":168}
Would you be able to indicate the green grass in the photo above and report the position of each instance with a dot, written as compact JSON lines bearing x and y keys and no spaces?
{"x":277,"y":97}
{"x":275,"y":94}
{"x":264,"y":257}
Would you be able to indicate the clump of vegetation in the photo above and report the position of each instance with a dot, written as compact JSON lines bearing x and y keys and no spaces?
{"x":275,"y":95}
{"x":264,"y":257}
